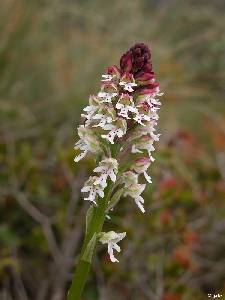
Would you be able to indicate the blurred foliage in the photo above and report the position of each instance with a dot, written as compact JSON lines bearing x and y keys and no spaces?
{"x":52,"y":54}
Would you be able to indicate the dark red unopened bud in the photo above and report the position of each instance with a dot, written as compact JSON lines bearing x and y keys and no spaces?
{"x":143,"y":78}
{"x":149,"y":89}
{"x":136,"y":59}
{"x":147,"y":68}
{"x":126,"y":62}
{"x":141,"y":50}
{"x":113,"y":70}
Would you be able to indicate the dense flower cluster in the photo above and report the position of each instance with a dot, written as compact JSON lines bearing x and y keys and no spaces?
{"x":119,"y":127}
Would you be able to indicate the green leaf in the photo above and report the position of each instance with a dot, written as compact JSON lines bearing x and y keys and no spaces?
{"x":89,"y":251}
{"x":89,"y":216}
{"x":115,"y":198}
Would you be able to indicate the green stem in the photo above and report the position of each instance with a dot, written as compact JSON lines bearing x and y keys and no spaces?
{"x":83,"y":267}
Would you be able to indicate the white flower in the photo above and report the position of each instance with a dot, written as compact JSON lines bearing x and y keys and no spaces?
{"x":158,"y":92}
{"x":128,"y":86}
{"x":150,"y":99}
{"x":149,"y":129}
{"x":141,"y":165}
{"x":144,"y":143}
{"x":83,"y":147}
{"x":93,"y":189}
{"x":107,"y":77}
{"x":112,"y":238}
{"x":108,"y":167}
{"x":91,"y":109}
{"x":129,"y":178}
{"x":155,"y":137}
{"x":88,"y":142}
{"x":125,"y":105}
{"x":106,"y":97}
{"x":156,"y":102}
{"x":114,"y":131}
{"x":139,"y":118}
{"x":104,"y":119}
{"x":108,"y":91}
{"x":146,"y":109}
{"x":118,"y":128}
{"x":106,"y":115}
{"x":128,"y":82}
{"x":134,"y":191}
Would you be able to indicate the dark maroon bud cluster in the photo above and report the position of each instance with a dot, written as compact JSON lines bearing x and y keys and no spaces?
{"x":136,"y":60}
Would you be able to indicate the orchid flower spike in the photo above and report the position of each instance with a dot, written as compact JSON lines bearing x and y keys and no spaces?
{"x":119,"y":130}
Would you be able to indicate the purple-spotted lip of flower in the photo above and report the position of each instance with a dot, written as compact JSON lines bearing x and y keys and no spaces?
{"x":144,"y":105}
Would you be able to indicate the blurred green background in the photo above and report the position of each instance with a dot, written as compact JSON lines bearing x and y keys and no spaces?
{"x":52,"y":54}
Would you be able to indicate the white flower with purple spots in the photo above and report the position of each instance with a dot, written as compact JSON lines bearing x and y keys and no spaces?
{"x":107,"y":77}
{"x":93,"y":189}
{"x":108,"y":92}
{"x":116,"y":129}
{"x":127,"y":82}
{"x":105,"y":115}
{"x":140,"y":118}
{"x":108,"y":167}
{"x":125,"y":105}
{"x":91,"y":109}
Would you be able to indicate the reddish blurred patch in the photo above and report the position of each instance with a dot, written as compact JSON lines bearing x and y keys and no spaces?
{"x":219,"y":187}
{"x":182,"y":137}
{"x":186,"y":137}
{"x":191,"y":238}
{"x":166,"y":217}
{"x":216,"y":135}
{"x":171,"y":296}
{"x":182,"y":256}
{"x":168,"y":184}
{"x":201,"y":197}
{"x":58,"y":181}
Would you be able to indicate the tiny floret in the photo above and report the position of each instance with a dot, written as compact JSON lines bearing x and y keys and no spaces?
{"x":116,"y":129}
{"x":93,"y":189}
{"x":134,"y":191}
{"x":141,"y":165}
{"x":112,"y":238}
{"x":88,"y":142}
{"x":128,"y":82}
{"x":108,"y":167}
{"x":107,"y":77}
{"x":125,"y":106}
